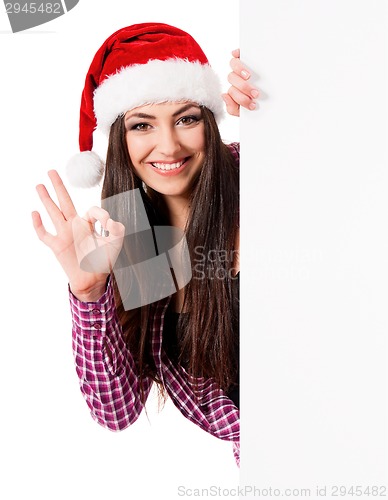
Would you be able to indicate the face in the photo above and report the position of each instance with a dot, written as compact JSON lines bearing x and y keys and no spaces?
{"x":166,"y":144}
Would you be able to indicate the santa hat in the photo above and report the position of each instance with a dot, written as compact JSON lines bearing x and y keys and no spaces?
{"x":141,"y":64}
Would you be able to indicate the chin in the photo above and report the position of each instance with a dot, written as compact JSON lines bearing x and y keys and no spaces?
{"x":180,"y":193}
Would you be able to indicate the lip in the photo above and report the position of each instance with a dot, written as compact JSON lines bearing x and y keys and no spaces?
{"x":170,"y":173}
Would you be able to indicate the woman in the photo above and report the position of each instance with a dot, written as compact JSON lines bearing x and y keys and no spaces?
{"x":151,"y":88}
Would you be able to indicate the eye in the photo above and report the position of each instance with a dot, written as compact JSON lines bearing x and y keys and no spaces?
{"x":141,"y":127}
{"x":188,"y":120}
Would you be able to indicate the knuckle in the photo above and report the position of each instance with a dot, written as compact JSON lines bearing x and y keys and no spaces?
{"x":245,"y":101}
{"x":234,"y":93}
{"x":117,"y":227}
{"x":230,"y":77}
{"x":99,"y":213}
{"x":120,"y":227}
{"x":239,"y":97}
{"x":241,"y":85}
{"x":246,"y":88}
{"x":234,"y":63}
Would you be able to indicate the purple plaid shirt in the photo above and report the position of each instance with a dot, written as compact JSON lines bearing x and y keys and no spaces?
{"x":109,"y":381}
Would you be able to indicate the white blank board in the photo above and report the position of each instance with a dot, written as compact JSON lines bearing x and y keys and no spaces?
{"x":314,"y":209}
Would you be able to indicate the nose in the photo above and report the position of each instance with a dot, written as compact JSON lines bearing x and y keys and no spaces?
{"x":169,"y":144}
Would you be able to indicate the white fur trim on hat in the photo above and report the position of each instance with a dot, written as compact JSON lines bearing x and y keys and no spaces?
{"x":85,"y":169}
{"x":155,"y":82}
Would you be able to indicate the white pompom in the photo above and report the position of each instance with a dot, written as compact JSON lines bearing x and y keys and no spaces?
{"x":85,"y":169}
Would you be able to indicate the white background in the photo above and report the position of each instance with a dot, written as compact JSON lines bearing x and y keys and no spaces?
{"x":315,"y":245}
{"x":50,"y":446}
{"x":314,"y":262}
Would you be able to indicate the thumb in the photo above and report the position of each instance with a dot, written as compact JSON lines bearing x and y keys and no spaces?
{"x":231,"y":106}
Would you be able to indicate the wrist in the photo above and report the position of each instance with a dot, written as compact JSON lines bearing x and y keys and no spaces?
{"x":92,"y":294}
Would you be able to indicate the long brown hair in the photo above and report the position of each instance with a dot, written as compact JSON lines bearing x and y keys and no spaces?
{"x":209,"y":333}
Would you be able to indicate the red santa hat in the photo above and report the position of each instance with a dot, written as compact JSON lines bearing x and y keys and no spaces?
{"x":141,"y":64}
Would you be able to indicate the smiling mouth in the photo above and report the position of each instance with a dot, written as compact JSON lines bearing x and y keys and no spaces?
{"x":169,"y":166}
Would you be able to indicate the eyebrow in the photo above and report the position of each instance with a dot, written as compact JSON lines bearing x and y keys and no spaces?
{"x":151,"y":117}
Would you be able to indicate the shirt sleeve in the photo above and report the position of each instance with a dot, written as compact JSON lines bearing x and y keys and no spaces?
{"x":106,"y":369}
{"x":234,"y":148}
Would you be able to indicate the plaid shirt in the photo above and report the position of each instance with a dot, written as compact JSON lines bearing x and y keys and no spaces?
{"x":109,"y":381}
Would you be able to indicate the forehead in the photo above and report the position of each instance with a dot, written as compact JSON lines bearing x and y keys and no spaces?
{"x":162,"y":108}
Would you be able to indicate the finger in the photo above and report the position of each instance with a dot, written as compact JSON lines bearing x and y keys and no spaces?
{"x":52,"y":209}
{"x":65,"y":202}
{"x":116,"y":229}
{"x":95,"y":214}
{"x":40,"y":230}
{"x":241,"y":99}
{"x":238,"y":67}
{"x":243,"y":86}
{"x":236,"y":53}
{"x":231,"y":106}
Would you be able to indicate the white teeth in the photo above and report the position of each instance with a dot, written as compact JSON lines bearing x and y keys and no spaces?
{"x":167,"y":166}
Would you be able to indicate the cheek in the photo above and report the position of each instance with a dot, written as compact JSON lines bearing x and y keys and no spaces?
{"x":197,"y":139}
{"x":136,"y":148}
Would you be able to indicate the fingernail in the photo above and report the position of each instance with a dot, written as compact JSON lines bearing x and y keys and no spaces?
{"x":252,"y":105}
{"x":255,"y":93}
{"x":245,"y":74}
